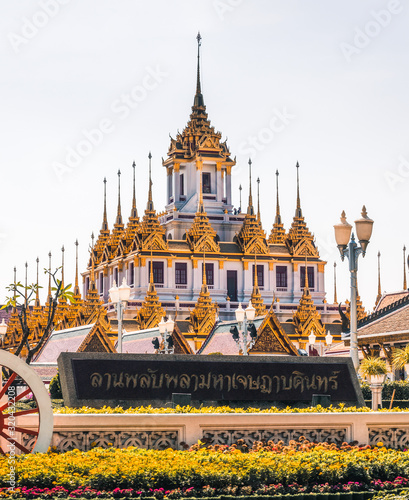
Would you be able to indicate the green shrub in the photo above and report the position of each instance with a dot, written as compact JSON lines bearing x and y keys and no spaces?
{"x":55,"y":387}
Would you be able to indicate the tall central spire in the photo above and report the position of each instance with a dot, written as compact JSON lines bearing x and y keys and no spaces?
{"x":198,"y":102}
{"x":278,"y":215}
{"x":134,"y":211}
{"x":150,"y":202}
{"x":378,"y":297}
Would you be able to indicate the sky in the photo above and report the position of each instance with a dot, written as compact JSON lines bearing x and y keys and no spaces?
{"x":88,"y":87}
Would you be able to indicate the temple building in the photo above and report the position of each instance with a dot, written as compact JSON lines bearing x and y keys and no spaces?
{"x":199,"y":233}
{"x":196,"y":260}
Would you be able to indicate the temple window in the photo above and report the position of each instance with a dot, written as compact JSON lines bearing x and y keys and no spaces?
{"x":131,"y":273}
{"x":116,"y":275}
{"x":209,"y":273}
{"x":310,"y":277}
{"x":206,"y":182}
{"x":180,"y":273}
{"x":281,"y":277}
{"x":182,"y":184}
{"x":260,"y":274}
{"x":157,"y":270}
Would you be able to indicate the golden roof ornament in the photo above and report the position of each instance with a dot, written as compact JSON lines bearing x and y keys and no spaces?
{"x":306,"y":317}
{"x":198,"y":136}
{"x":201,"y":236}
{"x":256,"y":298}
{"x":151,"y":311}
{"x":299,"y":237}
{"x":151,"y":232}
{"x":277,"y":235}
{"x":251,"y":237}
{"x":203,"y":317}
{"x":132,"y":227}
{"x":379,"y":296}
{"x":405,"y":286}
{"x":104,"y":232}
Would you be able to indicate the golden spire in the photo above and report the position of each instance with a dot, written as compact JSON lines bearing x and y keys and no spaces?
{"x":378,"y":297}
{"x":256,"y":299}
{"x":118,"y":214}
{"x":49,"y":296}
{"x":150,"y":202}
{"x":151,"y":232}
{"x":203,"y":316}
{"x":251,"y":237}
{"x":37,"y":301}
{"x":299,"y":232}
{"x":77,"y":292}
{"x":92,"y":274}
{"x":201,"y":236}
{"x":199,"y":43}
{"x":105,"y":219}
{"x":25,"y":283}
{"x":240,"y":188}
{"x":405,"y":287}
{"x":151,"y":311}
{"x":134,"y":211}
{"x":250,"y":209}
{"x":62,"y":266}
{"x":258,"y":200}
{"x":277,"y":235}
{"x":335,"y":283}
{"x":92,"y":298}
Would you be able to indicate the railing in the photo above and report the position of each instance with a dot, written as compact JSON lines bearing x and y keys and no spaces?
{"x":181,"y":286}
{"x":83,"y":431}
{"x":282,"y":289}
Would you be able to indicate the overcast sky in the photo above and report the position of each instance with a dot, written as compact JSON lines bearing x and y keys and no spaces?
{"x":88,"y":87}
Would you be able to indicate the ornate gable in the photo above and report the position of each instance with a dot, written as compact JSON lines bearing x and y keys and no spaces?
{"x":271,"y":338}
{"x":96,"y":340}
{"x":201,"y":237}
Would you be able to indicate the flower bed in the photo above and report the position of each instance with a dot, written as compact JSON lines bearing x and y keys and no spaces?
{"x":272,"y":469}
{"x":341,"y":408}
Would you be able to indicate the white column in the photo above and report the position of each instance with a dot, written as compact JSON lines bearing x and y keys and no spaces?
{"x":219,"y":184}
{"x":228,"y":188}
{"x":176,"y":184}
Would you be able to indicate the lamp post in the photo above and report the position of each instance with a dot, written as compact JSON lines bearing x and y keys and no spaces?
{"x":312,"y":338}
{"x":3,"y":331}
{"x":165,"y":330}
{"x":349,"y":248}
{"x":244,"y":318}
{"x":119,"y":297}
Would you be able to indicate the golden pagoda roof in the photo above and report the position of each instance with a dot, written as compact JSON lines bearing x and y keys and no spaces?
{"x":201,"y":237}
{"x":104,"y":233}
{"x":151,"y":311}
{"x":299,"y":239}
{"x":203,"y":317}
{"x":256,"y":299}
{"x":277,"y":235}
{"x":306,"y":318}
{"x":198,"y":137}
{"x":151,"y":233}
{"x":251,"y":237}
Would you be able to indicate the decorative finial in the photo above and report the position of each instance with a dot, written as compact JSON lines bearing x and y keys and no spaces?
{"x":37,"y":301}
{"x":105,"y":219}
{"x":49,"y":278}
{"x":258,"y":200}
{"x":150,"y":204}
{"x":250,"y":209}
{"x":62,"y":266}
{"x":240,"y":188}
{"x":199,"y":43}
{"x":134,"y":212}
{"x":278,"y":217}
{"x":298,"y":212}
{"x":76,"y":287}
{"x":92,"y":239}
{"x":378,"y":297}
{"x":405,"y":287}
{"x":118,"y":214}
{"x":335,"y":283}
{"x":25,"y":291}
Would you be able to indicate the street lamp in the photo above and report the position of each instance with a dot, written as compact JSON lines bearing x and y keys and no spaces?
{"x":244,"y":318}
{"x":165,"y":330}
{"x":328,"y":338}
{"x":349,"y":248}
{"x":119,"y":297}
{"x":3,"y":331}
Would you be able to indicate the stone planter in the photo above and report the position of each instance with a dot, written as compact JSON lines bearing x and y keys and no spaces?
{"x":376,"y":383}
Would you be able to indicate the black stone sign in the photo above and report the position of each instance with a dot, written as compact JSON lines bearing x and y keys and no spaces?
{"x":98,"y":378}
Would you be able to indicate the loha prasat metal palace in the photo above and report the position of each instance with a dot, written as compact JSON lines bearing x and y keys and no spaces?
{"x":197,"y":260}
